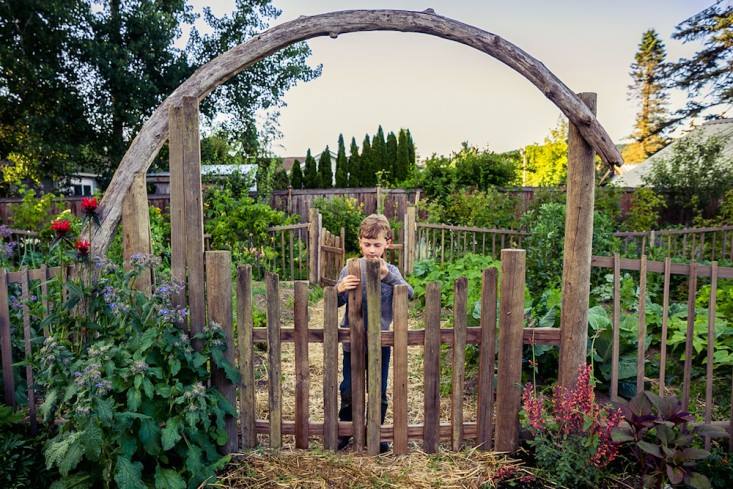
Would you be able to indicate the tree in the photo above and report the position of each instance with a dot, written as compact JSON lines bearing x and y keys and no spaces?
{"x":410,"y":152}
{"x":379,"y":152}
{"x":354,"y":164}
{"x":547,"y":164}
{"x":402,"y":163}
{"x":280,"y":180}
{"x":342,"y":170}
{"x":296,"y":176}
{"x":367,"y":172}
{"x":310,"y":178}
{"x":325,"y":173}
{"x":647,"y":88}
{"x":390,"y":153}
{"x":694,"y":177}
{"x":483,"y":168}
{"x":217,"y":148}
{"x":707,"y":76}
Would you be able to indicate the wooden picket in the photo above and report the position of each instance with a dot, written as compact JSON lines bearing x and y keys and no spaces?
{"x":445,"y":242}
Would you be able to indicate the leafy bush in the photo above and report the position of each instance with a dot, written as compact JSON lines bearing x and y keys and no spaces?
{"x":644,"y":212}
{"x":21,"y":454}
{"x":33,"y":213}
{"x":572,"y":441}
{"x":342,"y":212}
{"x":489,"y":208}
{"x":130,"y":391}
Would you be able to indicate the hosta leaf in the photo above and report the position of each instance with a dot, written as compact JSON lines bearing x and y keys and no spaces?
{"x":127,"y":474}
{"x":168,"y":479}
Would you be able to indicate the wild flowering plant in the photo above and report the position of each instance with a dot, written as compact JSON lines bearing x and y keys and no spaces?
{"x":131,"y":395}
{"x":572,"y":439}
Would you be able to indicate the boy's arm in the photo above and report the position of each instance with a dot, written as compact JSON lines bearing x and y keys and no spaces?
{"x":343,"y":297}
{"x":394,"y":277}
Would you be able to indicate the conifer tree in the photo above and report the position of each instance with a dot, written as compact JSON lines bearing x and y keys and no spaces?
{"x":410,"y":153}
{"x":390,"y":153}
{"x":402,"y":163}
{"x":325,"y":172}
{"x":280,"y":180}
{"x":354,"y":164}
{"x":379,"y":150}
{"x":296,"y":176}
{"x":647,"y":89}
{"x":367,"y":172}
{"x":342,"y":171}
{"x":310,"y":179}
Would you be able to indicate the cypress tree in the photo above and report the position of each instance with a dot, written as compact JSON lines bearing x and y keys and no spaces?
{"x":310,"y":179}
{"x":390,"y":153}
{"x":354,"y":164}
{"x":367,"y":173}
{"x":379,"y":151}
{"x":325,"y":173}
{"x":402,"y":164}
{"x":280,"y":180}
{"x":342,"y":171}
{"x":296,"y":176}
{"x":410,"y":153}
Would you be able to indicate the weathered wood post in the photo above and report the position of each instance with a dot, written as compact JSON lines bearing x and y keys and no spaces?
{"x":313,"y":245}
{"x":247,"y":388}
{"x":302,"y":377}
{"x":374,"y":355}
{"x":487,"y":359}
{"x":410,"y":246}
{"x":356,"y":325}
{"x":511,"y":328}
{"x":219,"y":302}
{"x":399,"y":385}
{"x":136,"y":229}
{"x":6,"y":347}
{"x":577,"y":251}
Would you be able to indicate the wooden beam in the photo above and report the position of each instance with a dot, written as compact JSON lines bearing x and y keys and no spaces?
{"x":136,"y":230}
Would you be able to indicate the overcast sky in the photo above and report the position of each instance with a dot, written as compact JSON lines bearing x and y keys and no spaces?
{"x":447,"y":93}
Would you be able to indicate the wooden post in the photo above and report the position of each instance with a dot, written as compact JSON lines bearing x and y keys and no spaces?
{"x":687,"y":369}
{"x":219,"y":302}
{"x":616,"y":333}
{"x":641,"y":338}
{"x":410,"y":240}
{"x":330,"y":368}
{"x":431,"y":359}
{"x":577,"y":252}
{"x":487,"y":359}
{"x":399,"y":385}
{"x":6,"y":348}
{"x":358,"y":353}
{"x":712,"y":305}
{"x":302,"y":377}
{"x":136,"y":229}
{"x":245,"y":324}
{"x":459,"y":361}
{"x":177,"y":134}
{"x":665,"y":323}
{"x":273,"y":354}
{"x":313,"y":240}
{"x":374,"y":355}
{"x":28,"y":349}
{"x":511,"y":328}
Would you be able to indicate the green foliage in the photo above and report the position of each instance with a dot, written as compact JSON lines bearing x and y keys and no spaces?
{"x":33,"y":213}
{"x":367,"y":168}
{"x":310,"y":176}
{"x":696,"y":175}
{"x":608,"y":201}
{"x":379,"y":152}
{"x":402,"y":164}
{"x":644,"y":212}
{"x":280,"y":180}
{"x":718,"y":469}
{"x":296,"y":176}
{"x":489,"y":208}
{"x":547,"y":163}
{"x":342,"y":212}
{"x":342,"y":165}
{"x":325,"y":175}
{"x":354,"y":165}
{"x":21,"y":454}
{"x":130,"y":388}
{"x":390,"y":152}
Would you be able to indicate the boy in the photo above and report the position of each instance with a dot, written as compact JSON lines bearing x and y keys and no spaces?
{"x":374,"y":236}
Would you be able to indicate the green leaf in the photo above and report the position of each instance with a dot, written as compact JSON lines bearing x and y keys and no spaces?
{"x":149,"y":434}
{"x":148,"y":388}
{"x":48,"y":404}
{"x":621,"y":435}
{"x":168,"y":479}
{"x":92,"y":440}
{"x":650,"y":448}
{"x":133,"y":399}
{"x":175,"y":365}
{"x":58,"y":452}
{"x":104,"y":408}
{"x":231,"y":372}
{"x":695,"y":453}
{"x":128,"y":474}
{"x":698,"y":481}
{"x":171,"y":434}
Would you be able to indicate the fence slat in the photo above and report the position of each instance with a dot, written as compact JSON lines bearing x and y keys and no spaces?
{"x":691,"y":292}
{"x":302,"y":376}
{"x":508,"y":389}
{"x":374,"y":354}
{"x":665,"y":325}
{"x":219,"y":305}
{"x":43,"y":277}
{"x":616,"y":326}
{"x":399,"y":387}
{"x":292,"y":262}
{"x":356,"y":324}
{"x":431,"y":368}
{"x":330,"y":368}
{"x":274,"y":355}
{"x":459,"y":361}
{"x":246,"y":360}
{"x":6,"y":348}
{"x":487,"y":359}
{"x":25,"y":297}
{"x":641,"y":338}
{"x":712,"y":304}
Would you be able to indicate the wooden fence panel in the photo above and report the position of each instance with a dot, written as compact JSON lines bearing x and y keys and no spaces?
{"x":374,"y":354}
{"x":302,"y":374}
{"x":487,"y":359}
{"x":246,"y":356}
{"x":330,"y":368}
{"x":274,"y":358}
{"x":399,"y":387}
{"x":459,"y":360}
{"x":356,"y":326}
{"x":432,"y":368}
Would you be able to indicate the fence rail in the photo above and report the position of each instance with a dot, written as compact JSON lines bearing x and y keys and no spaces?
{"x":703,"y":243}
{"x":448,"y":242}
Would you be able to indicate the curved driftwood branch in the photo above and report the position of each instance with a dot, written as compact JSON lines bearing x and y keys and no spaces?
{"x":154,"y":132}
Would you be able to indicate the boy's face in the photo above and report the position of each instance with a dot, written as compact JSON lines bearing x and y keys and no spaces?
{"x":373,"y":247}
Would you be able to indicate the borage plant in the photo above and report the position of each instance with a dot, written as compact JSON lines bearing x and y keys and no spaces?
{"x":572,"y":440}
{"x":131,"y":397}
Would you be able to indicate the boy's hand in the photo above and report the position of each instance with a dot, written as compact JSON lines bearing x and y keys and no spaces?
{"x":349,"y":282}
{"x":383,"y":270}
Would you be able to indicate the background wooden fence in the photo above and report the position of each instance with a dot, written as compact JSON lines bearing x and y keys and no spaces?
{"x":702,"y":243}
{"x":446,"y":242}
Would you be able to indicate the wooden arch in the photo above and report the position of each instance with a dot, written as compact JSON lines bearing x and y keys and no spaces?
{"x":154,"y":133}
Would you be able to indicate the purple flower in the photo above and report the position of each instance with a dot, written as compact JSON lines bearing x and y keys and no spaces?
{"x":5,"y":232}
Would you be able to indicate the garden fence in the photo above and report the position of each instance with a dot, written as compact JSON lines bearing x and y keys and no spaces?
{"x":447,"y":242}
{"x":703,"y":243}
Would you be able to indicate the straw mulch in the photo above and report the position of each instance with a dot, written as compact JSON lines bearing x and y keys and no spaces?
{"x":319,"y":469}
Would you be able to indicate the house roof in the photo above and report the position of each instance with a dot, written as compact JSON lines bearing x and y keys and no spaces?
{"x":632,"y":174}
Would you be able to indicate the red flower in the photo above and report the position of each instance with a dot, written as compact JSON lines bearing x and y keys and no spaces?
{"x":89,"y":205}
{"x":61,"y":227}
{"x":82,"y":247}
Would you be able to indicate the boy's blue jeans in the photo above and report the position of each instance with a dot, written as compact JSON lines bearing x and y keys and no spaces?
{"x":345,"y":388}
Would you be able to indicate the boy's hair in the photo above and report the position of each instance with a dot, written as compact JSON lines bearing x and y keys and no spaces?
{"x":374,"y":225}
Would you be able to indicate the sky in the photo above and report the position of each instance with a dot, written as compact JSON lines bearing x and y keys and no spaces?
{"x":447,"y":93}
